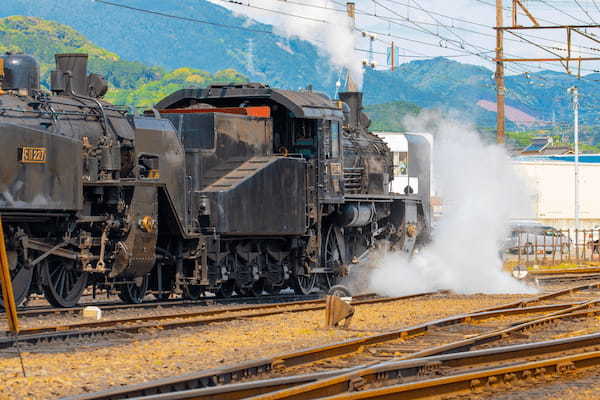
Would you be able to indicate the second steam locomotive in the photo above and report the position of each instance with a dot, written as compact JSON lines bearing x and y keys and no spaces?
{"x":232,"y":188}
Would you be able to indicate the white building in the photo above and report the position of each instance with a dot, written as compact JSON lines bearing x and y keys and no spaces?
{"x":404,"y":158}
{"x":552,"y":182}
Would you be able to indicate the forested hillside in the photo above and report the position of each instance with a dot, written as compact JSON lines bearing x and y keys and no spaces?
{"x":132,"y":83}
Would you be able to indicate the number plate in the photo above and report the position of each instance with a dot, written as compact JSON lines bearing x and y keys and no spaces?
{"x":335,"y":168}
{"x":32,"y":155}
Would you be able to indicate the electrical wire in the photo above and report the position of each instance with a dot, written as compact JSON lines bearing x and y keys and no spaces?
{"x":585,"y":12}
{"x":239,"y":3}
{"x":178,"y":17}
{"x":480,"y":53}
{"x":562,"y":11}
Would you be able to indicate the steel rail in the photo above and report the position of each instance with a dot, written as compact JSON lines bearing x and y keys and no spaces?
{"x":546,"y":296}
{"x":564,"y":278}
{"x":323,"y":384}
{"x":473,"y":383}
{"x":433,"y":358}
{"x":563,"y":271}
{"x":113,"y":305}
{"x":304,"y":305}
{"x":220,"y":376}
{"x":47,"y":334}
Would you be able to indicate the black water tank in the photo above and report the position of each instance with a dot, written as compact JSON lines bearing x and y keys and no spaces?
{"x":21,"y":71}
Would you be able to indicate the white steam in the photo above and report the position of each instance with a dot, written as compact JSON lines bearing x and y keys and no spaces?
{"x":319,"y":22}
{"x":336,"y":39}
{"x":480,"y":191}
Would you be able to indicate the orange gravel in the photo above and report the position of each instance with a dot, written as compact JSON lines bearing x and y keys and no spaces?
{"x":67,"y":370}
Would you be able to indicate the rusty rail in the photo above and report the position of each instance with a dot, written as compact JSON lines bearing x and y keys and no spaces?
{"x":35,"y":311}
{"x":174,"y":321}
{"x":472,"y":383}
{"x":220,"y":376}
{"x":322,"y":384}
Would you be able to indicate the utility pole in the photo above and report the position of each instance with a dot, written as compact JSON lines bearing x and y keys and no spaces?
{"x":393,"y":56}
{"x":500,"y":90}
{"x":575,"y":93}
{"x":350,"y":10}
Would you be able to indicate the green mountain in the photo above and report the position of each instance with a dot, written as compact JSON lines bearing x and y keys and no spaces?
{"x":390,"y":116}
{"x":132,"y":83}
{"x":468,"y":91}
{"x":149,"y":45}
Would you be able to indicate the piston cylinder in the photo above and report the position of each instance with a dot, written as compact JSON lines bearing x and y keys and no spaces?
{"x":356,"y":215}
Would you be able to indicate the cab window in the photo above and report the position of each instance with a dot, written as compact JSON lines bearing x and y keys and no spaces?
{"x":400,"y":159}
{"x":335,"y":139}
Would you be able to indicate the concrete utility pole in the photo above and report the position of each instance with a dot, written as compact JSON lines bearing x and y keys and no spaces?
{"x":500,"y":90}
{"x":350,"y":10}
{"x":575,"y":93}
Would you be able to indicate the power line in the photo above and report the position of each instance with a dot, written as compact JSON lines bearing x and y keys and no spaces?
{"x":585,"y":12}
{"x":238,"y":3}
{"x":562,"y":11}
{"x":413,"y":54}
{"x":188,"y":19}
{"x":596,"y":5}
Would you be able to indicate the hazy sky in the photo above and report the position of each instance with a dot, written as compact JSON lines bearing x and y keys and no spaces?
{"x":431,"y":28}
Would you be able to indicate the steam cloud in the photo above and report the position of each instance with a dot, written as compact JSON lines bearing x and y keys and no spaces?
{"x":335,"y":39}
{"x":330,"y":31}
{"x":480,"y":192}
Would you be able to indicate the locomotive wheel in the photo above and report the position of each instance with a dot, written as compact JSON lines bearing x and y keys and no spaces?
{"x":339,"y":291}
{"x":132,"y":293}
{"x":332,"y":259}
{"x":330,"y":280}
{"x":63,"y":283}
{"x":304,"y":284}
{"x":192,"y":292}
{"x":254,"y":290}
{"x":162,"y":296}
{"x":272,"y":289}
{"x":21,"y":278}
{"x":226,"y":289}
{"x":331,"y":251}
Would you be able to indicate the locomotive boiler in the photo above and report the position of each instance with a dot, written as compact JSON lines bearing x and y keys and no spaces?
{"x":231,"y":188}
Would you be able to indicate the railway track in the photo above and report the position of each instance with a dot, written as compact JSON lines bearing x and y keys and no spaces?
{"x":137,"y":324}
{"x":565,"y":278}
{"x":341,"y":365}
{"x":37,"y":311}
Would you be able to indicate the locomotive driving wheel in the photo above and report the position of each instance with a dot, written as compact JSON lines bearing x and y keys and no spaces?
{"x":62,"y":281}
{"x":332,"y":258}
{"x":193,"y":292}
{"x":225,"y":290}
{"x":303,"y":283}
{"x":21,"y":278}
{"x":255,"y":289}
{"x":132,"y":293}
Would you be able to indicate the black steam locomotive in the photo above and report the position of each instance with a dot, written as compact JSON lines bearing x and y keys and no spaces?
{"x":230,"y":188}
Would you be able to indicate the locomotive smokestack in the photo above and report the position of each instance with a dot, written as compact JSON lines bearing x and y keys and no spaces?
{"x":354,"y":101}
{"x":76,"y":66}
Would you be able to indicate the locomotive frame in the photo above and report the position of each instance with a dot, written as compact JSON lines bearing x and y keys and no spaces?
{"x":239,"y":188}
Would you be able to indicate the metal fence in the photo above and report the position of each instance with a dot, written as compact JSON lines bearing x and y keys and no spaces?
{"x":554,"y":247}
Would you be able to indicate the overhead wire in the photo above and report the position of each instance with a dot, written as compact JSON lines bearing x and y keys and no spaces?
{"x":562,"y":11}
{"x":239,"y":3}
{"x":178,"y":17}
{"x":585,"y":12}
{"x":460,"y":43}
